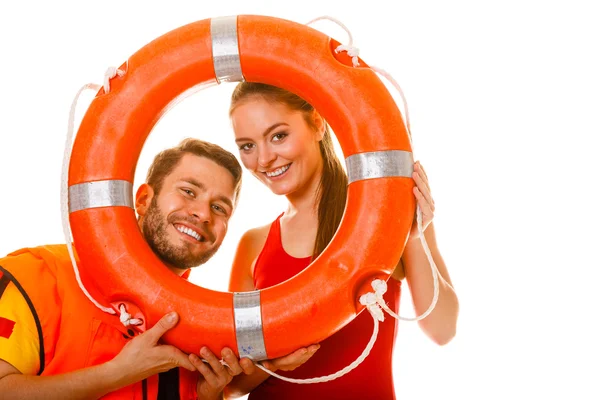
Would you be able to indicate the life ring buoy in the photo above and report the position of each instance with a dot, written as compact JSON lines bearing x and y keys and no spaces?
{"x":118,"y":267}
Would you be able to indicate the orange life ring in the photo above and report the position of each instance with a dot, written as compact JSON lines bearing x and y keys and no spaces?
{"x":117,"y":266}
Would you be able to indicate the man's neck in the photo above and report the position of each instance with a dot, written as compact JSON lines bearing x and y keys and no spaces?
{"x":175,"y":270}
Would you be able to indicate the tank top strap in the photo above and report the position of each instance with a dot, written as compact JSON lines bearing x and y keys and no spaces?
{"x":271,"y":245}
{"x":273,"y":238}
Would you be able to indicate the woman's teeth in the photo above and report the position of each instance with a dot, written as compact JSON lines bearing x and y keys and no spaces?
{"x":278,"y":171}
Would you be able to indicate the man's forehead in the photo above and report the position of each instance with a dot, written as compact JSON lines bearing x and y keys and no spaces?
{"x":198,"y":166}
{"x":203,"y":173}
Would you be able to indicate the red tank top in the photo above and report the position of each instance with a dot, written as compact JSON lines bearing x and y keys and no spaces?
{"x":372,"y":379}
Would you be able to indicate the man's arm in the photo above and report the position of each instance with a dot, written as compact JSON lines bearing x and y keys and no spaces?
{"x":140,"y":358}
{"x":86,"y":383}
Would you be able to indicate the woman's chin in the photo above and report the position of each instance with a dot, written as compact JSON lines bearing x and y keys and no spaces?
{"x":279,"y":190}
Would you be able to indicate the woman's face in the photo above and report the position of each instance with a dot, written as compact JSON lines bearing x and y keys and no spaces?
{"x":278,"y":146}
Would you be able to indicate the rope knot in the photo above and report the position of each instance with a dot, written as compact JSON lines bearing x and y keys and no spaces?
{"x":380,"y":287}
{"x":351,"y":51}
{"x":369,"y":300}
{"x":110,"y":73}
{"x":125,"y":317}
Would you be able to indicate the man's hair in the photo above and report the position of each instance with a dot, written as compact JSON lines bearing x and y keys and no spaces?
{"x":165,"y":161}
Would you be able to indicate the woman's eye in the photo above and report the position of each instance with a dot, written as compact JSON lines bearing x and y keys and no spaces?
{"x":246,"y":147}
{"x":279,"y":136}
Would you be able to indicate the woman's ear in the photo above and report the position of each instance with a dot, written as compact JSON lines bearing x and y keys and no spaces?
{"x":319,"y":124}
{"x":143,"y":198}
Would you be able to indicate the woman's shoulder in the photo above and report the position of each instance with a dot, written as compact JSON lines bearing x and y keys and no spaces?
{"x":248,"y":250}
{"x":254,"y":239}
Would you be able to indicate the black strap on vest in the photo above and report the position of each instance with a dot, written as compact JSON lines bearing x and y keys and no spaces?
{"x":4,"y":281}
{"x":168,"y":385}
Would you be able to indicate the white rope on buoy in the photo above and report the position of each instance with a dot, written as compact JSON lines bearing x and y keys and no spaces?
{"x":110,"y":73}
{"x":374,"y":300}
{"x":124,"y":317}
{"x":369,"y":300}
{"x":380,"y":286}
{"x":348,"y":48}
{"x":351,"y":51}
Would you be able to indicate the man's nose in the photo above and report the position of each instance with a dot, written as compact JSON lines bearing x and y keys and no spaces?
{"x":202,"y":211}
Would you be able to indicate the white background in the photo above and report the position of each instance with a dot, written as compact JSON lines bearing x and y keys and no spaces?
{"x":504,"y":100}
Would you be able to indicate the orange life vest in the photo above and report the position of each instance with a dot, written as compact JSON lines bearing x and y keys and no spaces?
{"x":74,"y":334}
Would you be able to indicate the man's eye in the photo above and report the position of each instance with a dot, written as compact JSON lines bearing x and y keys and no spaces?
{"x":189,"y":192}
{"x":219,"y":209}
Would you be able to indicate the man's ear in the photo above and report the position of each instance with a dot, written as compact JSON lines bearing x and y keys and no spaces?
{"x":143,"y":198}
{"x":319,"y":124}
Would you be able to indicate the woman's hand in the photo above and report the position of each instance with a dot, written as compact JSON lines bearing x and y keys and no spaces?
{"x":422,"y":193}
{"x":291,"y":361}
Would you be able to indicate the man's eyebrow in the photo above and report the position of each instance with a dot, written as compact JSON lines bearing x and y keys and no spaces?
{"x":193,"y":181}
{"x":201,"y":186}
{"x":225,"y":200}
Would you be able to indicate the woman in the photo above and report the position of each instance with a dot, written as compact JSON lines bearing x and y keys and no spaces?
{"x":287,"y":146}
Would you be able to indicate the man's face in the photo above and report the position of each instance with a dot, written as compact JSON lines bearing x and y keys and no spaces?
{"x":187,"y":221}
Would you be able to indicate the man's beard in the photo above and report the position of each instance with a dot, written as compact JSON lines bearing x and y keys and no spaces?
{"x":154,"y":229}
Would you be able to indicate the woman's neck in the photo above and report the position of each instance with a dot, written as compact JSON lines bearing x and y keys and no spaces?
{"x":304,"y":203}
{"x":299,"y":224}
{"x":302,"y":206}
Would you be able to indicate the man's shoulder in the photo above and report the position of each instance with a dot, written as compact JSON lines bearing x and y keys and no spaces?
{"x":34,"y":263}
{"x":50,"y":253}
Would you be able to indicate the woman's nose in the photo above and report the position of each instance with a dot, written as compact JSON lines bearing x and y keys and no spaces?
{"x":266,"y":156}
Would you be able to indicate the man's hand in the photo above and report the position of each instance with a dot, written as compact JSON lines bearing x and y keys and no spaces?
{"x":140,"y":358}
{"x":143,"y":356}
{"x":215,"y":376}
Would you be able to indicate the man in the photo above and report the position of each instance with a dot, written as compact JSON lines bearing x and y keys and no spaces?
{"x":55,"y":344}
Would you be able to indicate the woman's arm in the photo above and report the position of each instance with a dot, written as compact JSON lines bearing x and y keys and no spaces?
{"x":250,"y":246}
{"x":440,"y":324}
{"x":241,"y":280}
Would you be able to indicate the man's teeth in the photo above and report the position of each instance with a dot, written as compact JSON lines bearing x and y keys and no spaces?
{"x":278,"y":171}
{"x":189,"y":232}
